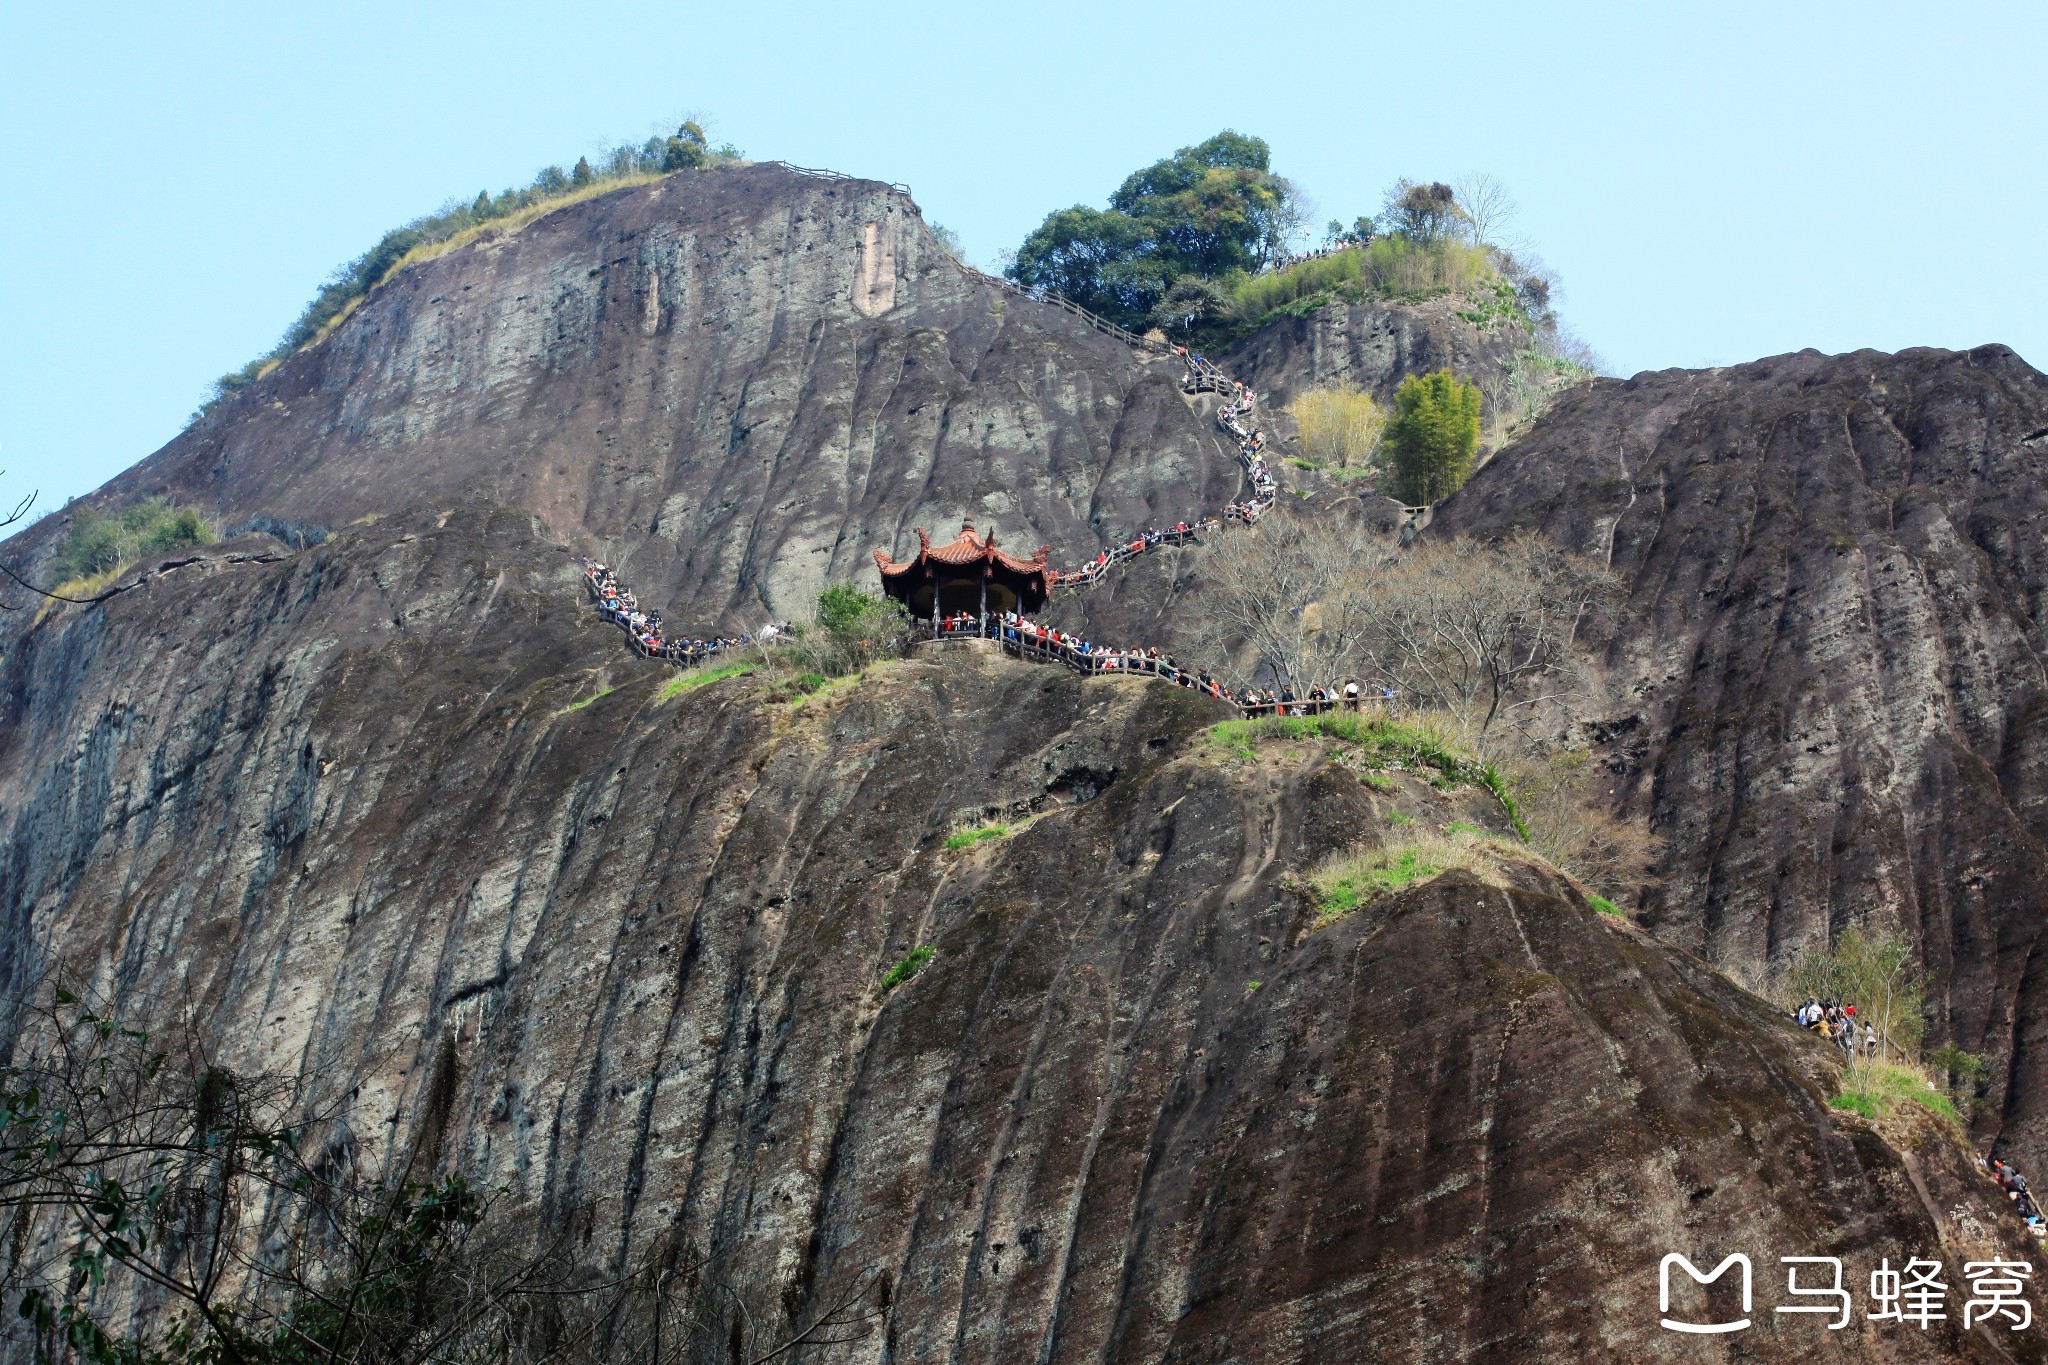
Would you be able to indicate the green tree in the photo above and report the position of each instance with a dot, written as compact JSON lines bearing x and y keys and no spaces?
{"x":1424,"y":213}
{"x":1205,"y":211}
{"x":1432,"y":436}
{"x":580,"y":174}
{"x":688,"y":150}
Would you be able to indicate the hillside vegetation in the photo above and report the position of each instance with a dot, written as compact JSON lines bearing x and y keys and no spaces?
{"x":1197,"y":246}
{"x":100,"y":546}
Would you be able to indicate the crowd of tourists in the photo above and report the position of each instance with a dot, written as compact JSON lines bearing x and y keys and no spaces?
{"x":2015,"y":1186}
{"x":1836,"y":1022}
{"x":1202,"y":377}
{"x":1181,"y":533}
{"x":618,"y":605}
{"x":1030,"y":639}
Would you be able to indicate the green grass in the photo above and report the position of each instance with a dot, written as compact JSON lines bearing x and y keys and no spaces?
{"x":1606,"y":906}
{"x":909,"y":965}
{"x":1343,"y":892}
{"x":1873,"y":1087}
{"x":1399,"y":817}
{"x":1463,"y":827}
{"x":1353,"y":880}
{"x":698,"y":677}
{"x":595,"y":696}
{"x":968,"y":838}
{"x":1370,"y":742}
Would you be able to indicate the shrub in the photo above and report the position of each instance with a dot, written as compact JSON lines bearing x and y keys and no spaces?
{"x":1571,"y":824}
{"x":968,"y":838}
{"x":1339,"y":426}
{"x":1605,"y":906}
{"x":1389,"y":267}
{"x":907,"y":966}
{"x":100,"y":545}
{"x":1432,"y":437}
{"x":851,"y":629}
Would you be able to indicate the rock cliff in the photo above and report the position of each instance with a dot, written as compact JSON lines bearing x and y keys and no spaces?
{"x":394,"y":807}
{"x":732,"y":384}
{"x":1828,"y":680}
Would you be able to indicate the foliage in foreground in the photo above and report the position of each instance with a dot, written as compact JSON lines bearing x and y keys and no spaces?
{"x":101,"y":544}
{"x":552,"y":187}
{"x":851,"y":629}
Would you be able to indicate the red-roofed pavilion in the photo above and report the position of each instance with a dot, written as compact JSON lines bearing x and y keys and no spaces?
{"x":969,"y":574}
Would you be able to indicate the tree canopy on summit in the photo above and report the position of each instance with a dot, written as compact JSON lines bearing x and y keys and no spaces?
{"x":1203,"y":212}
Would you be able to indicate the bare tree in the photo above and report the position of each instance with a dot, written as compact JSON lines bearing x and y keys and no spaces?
{"x":1489,"y":210}
{"x":1478,"y":630}
{"x":1282,"y":590}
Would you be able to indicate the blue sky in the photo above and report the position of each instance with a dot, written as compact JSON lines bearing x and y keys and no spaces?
{"x":1713,"y":182}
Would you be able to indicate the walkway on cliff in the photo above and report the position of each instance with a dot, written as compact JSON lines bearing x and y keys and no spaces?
{"x":1199,"y":376}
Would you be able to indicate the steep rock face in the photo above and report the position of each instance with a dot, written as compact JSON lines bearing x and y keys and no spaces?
{"x":734,"y":384}
{"x":394,"y":806}
{"x":1374,"y":345}
{"x":1829,"y":678}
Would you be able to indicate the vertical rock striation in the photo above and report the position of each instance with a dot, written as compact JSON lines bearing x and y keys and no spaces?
{"x":392,"y":807}
{"x":1828,"y":682}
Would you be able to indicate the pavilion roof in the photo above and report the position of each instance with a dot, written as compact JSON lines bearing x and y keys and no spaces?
{"x":964,"y":549}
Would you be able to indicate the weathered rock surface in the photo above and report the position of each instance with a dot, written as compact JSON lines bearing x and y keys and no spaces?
{"x":1374,"y":345}
{"x":1829,"y":684}
{"x":395,"y":804}
{"x":733,"y":385}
